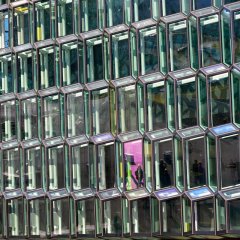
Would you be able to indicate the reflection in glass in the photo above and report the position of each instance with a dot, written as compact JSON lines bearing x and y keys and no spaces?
{"x":187,"y":218}
{"x":141,"y":10}
{"x":4,"y":28}
{"x":230,"y":160}
{"x":204,"y":215}
{"x":140,"y":222}
{"x":170,"y":7}
{"x":179,"y":163}
{"x":235,"y":83}
{"x":114,"y":12}
{"x":163,"y":163}
{"x":85,"y":217}
{"x":11,"y":169}
{"x":133,"y":164}
{"x":106,"y":166}
{"x":221,"y":217}
{"x":234,"y":211}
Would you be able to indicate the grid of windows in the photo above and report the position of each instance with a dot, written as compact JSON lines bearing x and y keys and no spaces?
{"x":119,"y":118}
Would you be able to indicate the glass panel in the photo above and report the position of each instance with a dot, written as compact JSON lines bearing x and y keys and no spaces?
{"x":141,"y":220}
{"x":195,"y":158}
{"x":179,"y":163}
{"x":75,"y":114}
{"x":29,"y":118}
{"x":156,"y":100}
{"x":126,"y":221}
{"x":148,"y":55}
{"x":133,"y":164}
{"x":141,"y":115}
{"x":85,"y":217}
{"x":220,"y":211}
{"x":88,"y":15}
{"x":25,"y":74}
{"x":220,"y":99}
{"x":178,"y":45}
{"x":37,"y":214}
{"x":204,"y":215}
{"x":15,"y":217}
{"x":69,"y":63}
{"x":193,"y":42}
{"x":6,"y":74}
{"x":21,"y":33}
{"x":112,"y":217}
{"x":32,"y":168}
{"x":187,"y":103}
{"x":1,"y":218}
{"x":51,"y":117}
{"x":148,"y":164}
{"x":56,"y":168}
{"x":236,"y":37}
{"x":171,"y":216}
{"x":163,"y":151}
{"x":210,"y":40}
{"x":235,"y":95}
{"x":106,"y":166}
{"x":230,"y":161}
{"x":42,"y":20}
{"x":11,"y":169}
{"x":202,"y":101}
{"x":46,"y":65}
{"x":234,"y":211}
{"x":94,"y":59}
{"x":120,"y":55}
{"x":141,"y":10}
{"x":4,"y":28}
{"x":155,"y":216}
{"x":8,"y":120}
{"x":212,"y":162}
{"x":114,"y":12}
{"x":127,"y":109}
{"x":162,"y":49}
{"x":170,"y":105}
{"x":60,"y":217}
{"x":92,"y":166}
{"x":226,"y":37}
{"x":187,"y":227}
{"x":65,"y":17}
{"x":100,"y":111}
{"x":134,"y":59}
{"x":170,"y":7}
{"x":201,"y":4}
{"x":80,"y":167}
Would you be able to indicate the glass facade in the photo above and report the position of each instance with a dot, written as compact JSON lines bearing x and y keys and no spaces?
{"x":119,"y":119}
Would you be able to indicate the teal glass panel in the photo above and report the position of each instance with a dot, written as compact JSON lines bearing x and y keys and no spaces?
{"x":94,"y":56}
{"x":235,"y":78}
{"x":8,"y":121}
{"x":114,"y":12}
{"x":170,"y":105}
{"x":179,"y":165}
{"x":106,"y":166}
{"x":148,"y":164}
{"x":220,"y":214}
{"x":229,"y":154}
{"x":6,"y":74}
{"x":212,"y":162}
{"x":141,"y":10}
{"x":193,"y":42}
{"x":11,"y":169}
{"x":126,"y":219}
{"x":170,"y":7}
{"x":186,"y":103}
{"x":141,"y":117}
{"x":210,"y":40}
{"x":56,"y":168}
{"x":60,"y":217}
{"x":32,"y":165}
{"x":202,"y":101}
{"x":69,"y":60}
{"x":42,"y":20}
{"x":85,"y":217}
{"x":155,"y":215}
{"x":187,"y":219}
{"x":204,"y":215}
{"x":134,"y":60}
{"x":48,"y":60}
{"x":88,"y":15}
{"x":162,"y":49}
{"x":236,"y":36}
{"x":226,"y":37}
{"x":15,"y":218}
{"x":25,"y":65}
{"x":164,"y":163}
{"x":51,"y":116}
{"x":178,"y":45}
{"x":120,"y":55}
{"x":64,"y":17}
{"x":234,"y":212}
{"x":20,"y":17}
{"x":220,"y":99}
{"x":197,"y":4}
{"x":127,"y":109}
